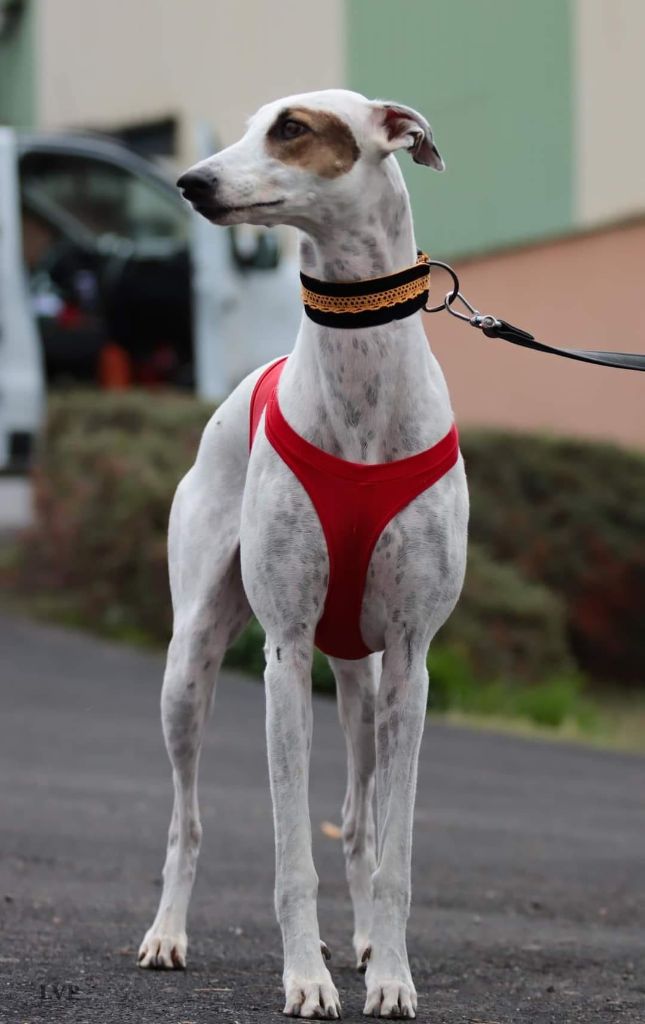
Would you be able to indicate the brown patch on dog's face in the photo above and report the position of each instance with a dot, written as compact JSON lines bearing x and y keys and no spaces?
{"x":315,"y":140}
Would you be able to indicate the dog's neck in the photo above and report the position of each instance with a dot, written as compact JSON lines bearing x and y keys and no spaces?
{"x":376,"y":241}
{"x":373,"y":394}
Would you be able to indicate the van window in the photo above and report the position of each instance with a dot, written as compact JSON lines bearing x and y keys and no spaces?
{"x":105,"y":198}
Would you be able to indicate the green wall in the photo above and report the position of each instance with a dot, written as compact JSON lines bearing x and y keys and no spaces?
{"x":17,"y":72}
{"x":494,"y":78}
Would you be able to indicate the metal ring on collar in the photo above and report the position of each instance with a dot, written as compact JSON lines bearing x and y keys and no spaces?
{"x":451,"y":296}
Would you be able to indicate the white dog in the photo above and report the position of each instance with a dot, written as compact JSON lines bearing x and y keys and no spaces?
{"x":246,"y":534}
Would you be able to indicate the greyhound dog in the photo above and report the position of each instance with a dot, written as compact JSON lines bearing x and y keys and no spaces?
{"x":245,"y":536}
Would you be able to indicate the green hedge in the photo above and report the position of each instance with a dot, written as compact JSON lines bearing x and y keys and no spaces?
{"x":104,"y":477}
{"x":570,"y":515}
{"x":506,"y":626}
{"x":550,"y":521}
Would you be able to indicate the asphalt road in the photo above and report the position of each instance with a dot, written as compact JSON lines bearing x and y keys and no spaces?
{"x":529,"y":861}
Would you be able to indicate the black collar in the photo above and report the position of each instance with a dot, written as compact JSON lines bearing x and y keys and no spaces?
{"x":378,"y":300}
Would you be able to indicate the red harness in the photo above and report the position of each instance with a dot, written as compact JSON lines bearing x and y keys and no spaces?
{"x":354,"y":503}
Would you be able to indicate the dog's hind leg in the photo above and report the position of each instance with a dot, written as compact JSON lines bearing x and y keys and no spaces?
{"x":204,"y":624}
{"x":210,"y":608}
{"x":357,"y":685}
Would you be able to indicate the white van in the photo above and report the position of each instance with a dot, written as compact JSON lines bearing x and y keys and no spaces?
{"x":108,"y":278}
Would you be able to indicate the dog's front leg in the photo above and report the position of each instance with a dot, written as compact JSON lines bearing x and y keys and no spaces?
{"x":357,"y":684}
{"x":400,"y":717}
{"x":308,"y":985}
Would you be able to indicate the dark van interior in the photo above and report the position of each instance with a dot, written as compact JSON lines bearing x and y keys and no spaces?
{"x":108,"y":262}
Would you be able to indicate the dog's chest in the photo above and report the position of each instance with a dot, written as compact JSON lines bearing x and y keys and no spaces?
{"x":342,"y":528}
{"x":366,"y":396}
{"x":417,"y":558}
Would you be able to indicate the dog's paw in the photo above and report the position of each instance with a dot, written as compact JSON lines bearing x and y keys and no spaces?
{"x":390,"y":999}
{"x":312,"y":997}
{"x":160,"y":951}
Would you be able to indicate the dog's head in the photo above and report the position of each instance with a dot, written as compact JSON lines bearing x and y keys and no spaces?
{"x":306,"y":159}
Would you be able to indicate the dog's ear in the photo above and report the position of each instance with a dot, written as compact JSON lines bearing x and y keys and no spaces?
{"x":400,"y":127}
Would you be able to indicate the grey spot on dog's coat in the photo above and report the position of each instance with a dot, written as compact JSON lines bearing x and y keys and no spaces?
{"x":372,"y":389}
{"x":307,"y":254}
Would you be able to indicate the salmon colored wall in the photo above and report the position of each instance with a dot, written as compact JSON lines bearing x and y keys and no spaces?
{"x":583,"y":292}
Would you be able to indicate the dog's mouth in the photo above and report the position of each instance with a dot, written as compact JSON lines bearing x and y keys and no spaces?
{"x":217,"y":211}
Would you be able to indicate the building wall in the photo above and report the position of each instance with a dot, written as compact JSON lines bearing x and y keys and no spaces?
{"x":581,"y":292}
{"x":609,"y":74}
{"x":106,"y":64}
{"x":18,"y":72}
{"x":494,"y":80}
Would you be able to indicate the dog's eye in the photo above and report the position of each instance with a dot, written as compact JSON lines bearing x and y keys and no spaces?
{"x":291,"y":129}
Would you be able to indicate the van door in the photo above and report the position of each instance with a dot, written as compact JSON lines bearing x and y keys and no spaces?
{"x":246,"y":295}
{"x":22,"y":390}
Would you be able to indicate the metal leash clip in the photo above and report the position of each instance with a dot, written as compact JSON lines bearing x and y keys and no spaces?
{"x":482,"y":320}
{"x":485,"y":321}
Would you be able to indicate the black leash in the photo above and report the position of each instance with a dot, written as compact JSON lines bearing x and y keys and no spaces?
{"x":494,"y":327}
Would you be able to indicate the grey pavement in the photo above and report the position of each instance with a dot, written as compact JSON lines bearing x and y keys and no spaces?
{"x":529,"y":858}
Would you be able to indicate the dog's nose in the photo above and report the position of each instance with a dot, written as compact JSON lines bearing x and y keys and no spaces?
{"x":197,"y":183}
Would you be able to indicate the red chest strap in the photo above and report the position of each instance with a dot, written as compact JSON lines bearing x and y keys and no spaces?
{"x":264,"y":388}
